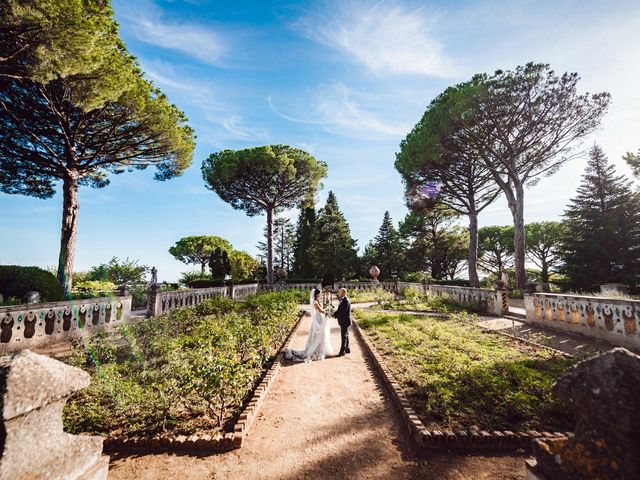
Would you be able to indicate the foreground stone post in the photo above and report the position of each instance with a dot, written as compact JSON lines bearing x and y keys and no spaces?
{"x":34,"y":391}
{"x":604,"y":395}
{"x":501,"y":304}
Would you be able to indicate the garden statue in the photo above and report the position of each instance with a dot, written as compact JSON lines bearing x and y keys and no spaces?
{"x":374,"y":272}
{"x":154,"y":277}
{"x":31,"y":297}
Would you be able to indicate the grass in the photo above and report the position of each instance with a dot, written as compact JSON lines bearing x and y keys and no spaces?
{"x":367,"y":296}
{"x":458,"y":376}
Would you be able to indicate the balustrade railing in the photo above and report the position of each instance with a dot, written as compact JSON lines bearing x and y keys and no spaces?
{"x":37,"y":325}
{"x":612,"y":319}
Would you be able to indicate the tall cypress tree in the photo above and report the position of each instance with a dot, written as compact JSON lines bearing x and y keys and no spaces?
{"x":303,"y":267}
{"x":386,"y":249}
{"x":334,"y":250}
{"x":602,"y":243}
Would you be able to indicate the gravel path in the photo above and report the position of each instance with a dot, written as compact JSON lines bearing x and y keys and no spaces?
{"x":323,"y":420}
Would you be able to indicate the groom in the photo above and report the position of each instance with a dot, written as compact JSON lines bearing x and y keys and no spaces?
{"x":343,"y":314}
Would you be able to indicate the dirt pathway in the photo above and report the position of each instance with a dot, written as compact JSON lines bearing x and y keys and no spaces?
{"x":323,"y":420}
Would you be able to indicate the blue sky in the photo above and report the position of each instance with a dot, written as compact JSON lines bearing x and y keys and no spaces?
{"x":345,"y":80}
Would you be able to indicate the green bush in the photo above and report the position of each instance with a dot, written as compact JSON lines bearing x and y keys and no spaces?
{"x":138,"y":296}
{"x":16,"y":281}
{"x":186,"y":371}
{"x":410,"y":294}
{"x":417,"y":277}
{"x":94,"y":288}
{"x":206,"y":283}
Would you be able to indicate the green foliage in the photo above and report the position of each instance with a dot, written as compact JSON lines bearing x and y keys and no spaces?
{"x":206,"y":283}
{"x":43,"y":40}
{"x":435,"y":242}
{"x":459,"y":376}
{"x":366,"y":296}
{"x":197,"y":250}
{"x":602,"y":240}
{"x":186,"y":371}
{"x":633,"y":160}
{"x":16,"y":281}
{"x":264,"y":179}
{"x":303,"y":266}
{"x":94,"y":288}
{"x":495,"y":249}
{"x":543,"y":243}
{"x":219,"y":263}
{"x":119,"y":272}
{"x":99,"y":100}
{"x":333,"y":250}
{"x":187,"y":277}
{"x":410,"y":294}
{"x":243,"y":266}
{"x":418,"y":277}
{"x":138,"y":296}
{"x":386,"y":250}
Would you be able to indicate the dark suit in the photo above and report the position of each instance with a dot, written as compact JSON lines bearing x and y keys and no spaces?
{"x":343,"y":314}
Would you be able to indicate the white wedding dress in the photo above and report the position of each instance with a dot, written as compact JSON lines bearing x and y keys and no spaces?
{"x":318,"y":344}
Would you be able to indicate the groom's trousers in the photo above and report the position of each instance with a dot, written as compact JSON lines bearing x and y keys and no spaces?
{"x":344,"y":338}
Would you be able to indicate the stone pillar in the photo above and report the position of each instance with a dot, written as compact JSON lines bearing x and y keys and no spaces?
{"x":153,"y":298}
{"x":34,"y":390}
{"x":603,"y":394}
{"x":501,"y":304}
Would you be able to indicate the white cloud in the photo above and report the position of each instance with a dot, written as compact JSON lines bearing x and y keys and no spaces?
{"x":385,"y":36}
{"x":147,"y":23}
{"x":342,"y":111}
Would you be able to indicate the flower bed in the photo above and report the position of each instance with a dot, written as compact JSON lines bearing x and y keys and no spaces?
{"x":458,"y":377}
{"x":185,"y":372}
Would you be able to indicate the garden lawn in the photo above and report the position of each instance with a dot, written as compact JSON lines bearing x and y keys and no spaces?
{"x":183,"y":372}
{"x":460,"y":377}
{"x":366,"y":296}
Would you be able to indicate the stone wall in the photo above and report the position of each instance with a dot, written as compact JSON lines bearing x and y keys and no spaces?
{"x":494,"y":302}
{"x":612,"y":319}
{"x":40,"y":324}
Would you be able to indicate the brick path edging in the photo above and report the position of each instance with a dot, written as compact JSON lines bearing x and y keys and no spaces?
{"x":459,"y":439}
{"x":205,"y":442}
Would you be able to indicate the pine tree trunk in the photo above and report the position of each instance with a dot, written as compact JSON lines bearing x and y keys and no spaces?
{"x":202,"y":265}
{"x":474,"y":281}
{"x":270,"y":246}
{"x":517,"y":210}
{"x":68,"y":233}
{"x":545,"y":272}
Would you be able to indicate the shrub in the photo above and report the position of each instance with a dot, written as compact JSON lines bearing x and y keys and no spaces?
{"x":417,"y":277}
{"x":138,"y":296}
{"x":94,"y":288}
{"x":410,"y":294}
{"x":186,"y":371}
{"x":206,"y":283}
{"x":16,"y":281}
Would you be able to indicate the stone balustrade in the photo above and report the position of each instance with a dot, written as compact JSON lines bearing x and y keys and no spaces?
{"x":160,"y":302}
{"x":420,"y":287}
{"x":614,"y":320}
{"x":494,"y":302}
{"x":286,"y":286}
{"x":33,"y":391}
{"x":241,"y":292}
{"x":38,"y":325}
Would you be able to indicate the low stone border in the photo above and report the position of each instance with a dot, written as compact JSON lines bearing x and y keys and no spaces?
{"x":449,"y":439}
{"x":205,"y":442}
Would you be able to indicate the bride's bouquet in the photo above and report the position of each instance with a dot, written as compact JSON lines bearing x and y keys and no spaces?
{"x":328,"y":308}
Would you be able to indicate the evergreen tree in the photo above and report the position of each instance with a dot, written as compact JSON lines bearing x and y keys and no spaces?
{"x":495,"y":249}
{"x":434,"y":241}
{"x":333,"y":251}
{"x":602,"y":241}
{"x":303,"y":267}
{"x":283,"y":239}
{"x":386,"y":250}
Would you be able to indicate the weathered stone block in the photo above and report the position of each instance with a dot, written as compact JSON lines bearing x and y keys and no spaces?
{"x":34,"y":390}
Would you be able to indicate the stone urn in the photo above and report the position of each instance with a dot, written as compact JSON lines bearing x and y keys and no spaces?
{"x":282,"y":274}
{"x":374,"y":272}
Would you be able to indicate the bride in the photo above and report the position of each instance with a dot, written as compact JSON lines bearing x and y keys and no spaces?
{"x":318,"y":344}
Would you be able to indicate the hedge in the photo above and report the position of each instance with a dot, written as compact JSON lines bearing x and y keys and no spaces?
{"x":16,"y":281}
